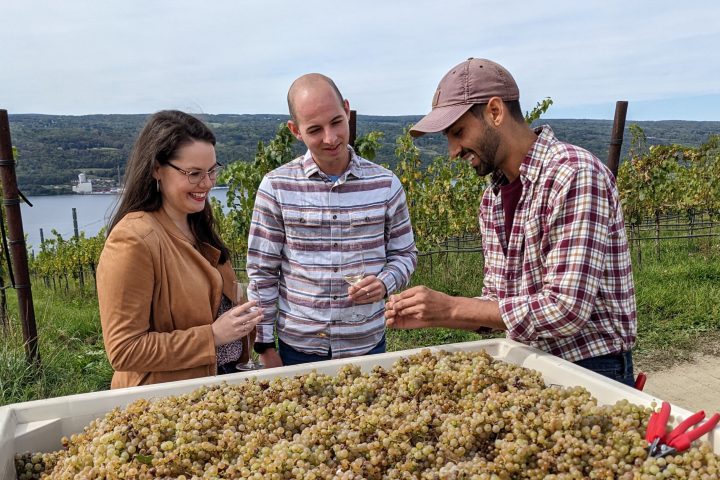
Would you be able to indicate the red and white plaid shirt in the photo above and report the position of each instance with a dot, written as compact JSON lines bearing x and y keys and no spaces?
{"x":563,"y":279}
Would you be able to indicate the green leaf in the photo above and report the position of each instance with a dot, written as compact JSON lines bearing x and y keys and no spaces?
{"x":146,"y":459}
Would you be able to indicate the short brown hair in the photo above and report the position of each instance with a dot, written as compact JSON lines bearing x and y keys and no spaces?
{"x":513,"y":107}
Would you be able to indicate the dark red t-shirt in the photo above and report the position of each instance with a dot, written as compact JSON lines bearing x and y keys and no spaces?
{"x":510,"y":194}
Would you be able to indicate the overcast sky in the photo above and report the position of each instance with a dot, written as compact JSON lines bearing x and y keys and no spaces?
{"x":223,"y":56}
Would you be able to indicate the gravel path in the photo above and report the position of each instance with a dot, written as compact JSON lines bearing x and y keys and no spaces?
{"x":693,"y":386}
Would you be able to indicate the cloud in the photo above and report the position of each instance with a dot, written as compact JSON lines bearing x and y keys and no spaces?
{"x":223,"y":56}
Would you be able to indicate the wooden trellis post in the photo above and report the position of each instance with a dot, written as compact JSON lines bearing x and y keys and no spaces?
{"x":16,"y":243}
{"x":616,"y":139}
{"x":353,"y":127}
{"x":81,"y":277}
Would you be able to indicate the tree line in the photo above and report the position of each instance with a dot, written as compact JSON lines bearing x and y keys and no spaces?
{"x":54,"y":149}
{"x":443,"y":196}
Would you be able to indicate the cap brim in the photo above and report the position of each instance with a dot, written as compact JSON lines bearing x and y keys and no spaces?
{"x":439,"y":119}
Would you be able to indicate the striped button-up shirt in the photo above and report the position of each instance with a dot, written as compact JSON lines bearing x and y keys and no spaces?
{"x":563,"y":279}
{"x":306,"y":230}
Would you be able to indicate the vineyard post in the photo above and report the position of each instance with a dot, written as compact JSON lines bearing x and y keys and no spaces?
{"x":18,"y":249}
{"x":635,"y":237}
{"x":616,"y":139}
{"x":353,"y":127}
{"x":657,"y":232}
{"x":3,"y":306}
{"x":712,"y":227}
{"x":42,"y":245}
{"x":81,"y":278}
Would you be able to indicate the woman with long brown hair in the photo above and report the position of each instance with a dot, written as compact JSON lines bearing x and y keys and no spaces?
{"x":165,"y":280}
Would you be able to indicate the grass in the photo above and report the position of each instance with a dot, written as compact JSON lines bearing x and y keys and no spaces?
{"x":678,"y":302}
{"x":676,"y":289}
{"x":454,"y":274}
{"x":72,"y":354}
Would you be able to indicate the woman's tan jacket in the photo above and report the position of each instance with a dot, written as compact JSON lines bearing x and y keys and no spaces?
{"x":158,"y":297}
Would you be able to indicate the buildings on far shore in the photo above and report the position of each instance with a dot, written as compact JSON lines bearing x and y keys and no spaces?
{"x":83,"y":186}
{"x":102,"y":186}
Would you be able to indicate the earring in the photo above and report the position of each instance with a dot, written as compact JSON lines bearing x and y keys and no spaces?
{"x":157,"y":184}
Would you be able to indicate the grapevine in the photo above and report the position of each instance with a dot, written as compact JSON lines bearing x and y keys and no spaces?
{"x":443,"y":197}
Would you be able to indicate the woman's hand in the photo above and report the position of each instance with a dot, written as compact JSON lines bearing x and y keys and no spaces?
{"x":236,"y":323}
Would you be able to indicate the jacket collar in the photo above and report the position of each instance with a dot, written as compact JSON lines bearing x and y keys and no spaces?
{"x":210,"y":253}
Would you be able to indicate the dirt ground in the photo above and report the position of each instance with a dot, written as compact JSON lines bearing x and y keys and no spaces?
{"x":692,"y":385}
{"x":690,"y":379}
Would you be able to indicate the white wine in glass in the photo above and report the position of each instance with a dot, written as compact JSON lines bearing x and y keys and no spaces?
{"x":353,"y":271}
{"x":353,"y":278}
{"x":241,"y":290}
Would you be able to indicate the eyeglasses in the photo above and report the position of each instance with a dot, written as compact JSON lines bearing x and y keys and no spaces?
{"x":197,"y":176}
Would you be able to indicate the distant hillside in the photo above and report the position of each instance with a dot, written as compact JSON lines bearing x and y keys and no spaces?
{"x":54,"y":149}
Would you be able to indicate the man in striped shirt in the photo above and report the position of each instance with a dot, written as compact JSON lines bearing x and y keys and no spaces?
{"x":557,"y":271}
{"x":320,"y":222}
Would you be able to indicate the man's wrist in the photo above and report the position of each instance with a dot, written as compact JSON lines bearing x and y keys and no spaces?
{"x":262,"y":347}
{"x":481,"y":316}
{"x":454,"y":310}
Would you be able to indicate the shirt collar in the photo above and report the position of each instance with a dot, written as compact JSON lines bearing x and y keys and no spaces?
{"x":532,"y":163}
{"x":311,"y":168}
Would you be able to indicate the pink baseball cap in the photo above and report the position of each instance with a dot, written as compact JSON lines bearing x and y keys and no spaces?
{"x":475,"y":80}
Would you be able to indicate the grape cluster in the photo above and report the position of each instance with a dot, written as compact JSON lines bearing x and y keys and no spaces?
{"x":440,"y":415}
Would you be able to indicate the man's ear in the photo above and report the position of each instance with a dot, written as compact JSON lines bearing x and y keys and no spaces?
{"x":495,"y":111}
{"x":346,"y":107}
{"x":294,"y":129}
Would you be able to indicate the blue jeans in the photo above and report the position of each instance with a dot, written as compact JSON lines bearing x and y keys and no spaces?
{"x":618,"y":366}
{"x":290,"y":356}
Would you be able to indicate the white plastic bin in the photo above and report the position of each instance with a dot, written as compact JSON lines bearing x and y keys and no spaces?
{"x":39,"y":425}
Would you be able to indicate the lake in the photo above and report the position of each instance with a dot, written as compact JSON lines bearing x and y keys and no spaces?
{"x":55,"y":212}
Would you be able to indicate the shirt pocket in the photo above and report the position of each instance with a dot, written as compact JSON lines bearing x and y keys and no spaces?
{"x":303,"y":230}
{"x":532,"y":231}
{"x":366,"y":222}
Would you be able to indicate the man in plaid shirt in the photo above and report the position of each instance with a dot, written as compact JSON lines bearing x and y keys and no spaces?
{"x":557,"y":271}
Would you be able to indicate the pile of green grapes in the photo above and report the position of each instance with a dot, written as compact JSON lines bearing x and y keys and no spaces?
{"x":431,"y":416}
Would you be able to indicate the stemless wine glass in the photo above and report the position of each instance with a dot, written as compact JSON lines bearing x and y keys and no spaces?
{"x":353,"y":271}
{"x":242,"y":291}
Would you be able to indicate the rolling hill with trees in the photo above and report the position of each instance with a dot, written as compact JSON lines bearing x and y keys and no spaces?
{"x":54,"y":149}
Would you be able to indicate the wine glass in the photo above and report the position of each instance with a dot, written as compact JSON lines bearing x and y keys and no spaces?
{"x":242,"y":291}
{"x":353,"y":271}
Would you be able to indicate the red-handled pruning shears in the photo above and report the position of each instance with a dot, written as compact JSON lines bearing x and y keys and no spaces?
{"x":640,"y":381}
{"x":680,"y":438}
